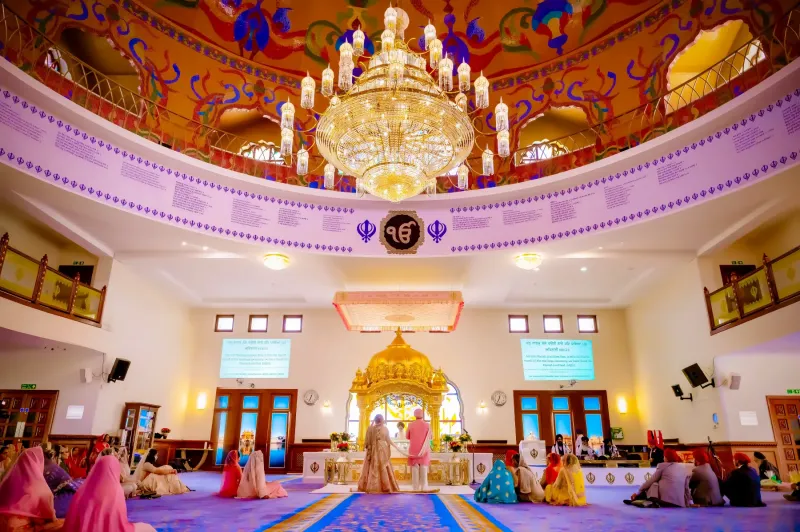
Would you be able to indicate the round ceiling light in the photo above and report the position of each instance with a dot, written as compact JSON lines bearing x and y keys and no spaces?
{"x":528,"y":261}
{"x":276,"y":261}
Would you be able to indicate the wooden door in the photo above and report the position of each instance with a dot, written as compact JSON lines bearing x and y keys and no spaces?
{"x":26,"y":416}
{"x":784,"y":413}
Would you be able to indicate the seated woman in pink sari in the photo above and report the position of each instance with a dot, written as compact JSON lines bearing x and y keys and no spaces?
{"x":99,"y":505}
{"x":231,"y":476}
{"x":26,"y":502}
{"x":254,"y":483}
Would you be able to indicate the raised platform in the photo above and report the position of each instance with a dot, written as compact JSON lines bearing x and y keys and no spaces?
{"x":479,"y":465}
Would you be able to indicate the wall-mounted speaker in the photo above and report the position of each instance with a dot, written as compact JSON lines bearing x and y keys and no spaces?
{"x":695,"y":375}
{"x":119,"y":370}
{"x":736,"y":381}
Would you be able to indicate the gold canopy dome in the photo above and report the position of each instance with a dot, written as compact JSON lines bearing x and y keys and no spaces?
{"x":399,"y":361}
{"x":401,"y":372}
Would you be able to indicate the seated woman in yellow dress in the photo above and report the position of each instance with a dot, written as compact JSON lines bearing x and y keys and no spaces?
{"x":152,"y":478}
{"x":569,"y":488}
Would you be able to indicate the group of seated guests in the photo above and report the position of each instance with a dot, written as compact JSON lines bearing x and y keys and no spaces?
{"x":250,"y":483}
{"x":27,"y":501}
{"x":561,"y":485}
{"x":677,"y":486}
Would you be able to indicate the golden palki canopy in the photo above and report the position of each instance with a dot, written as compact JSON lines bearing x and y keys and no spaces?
{"x":403,"y":373}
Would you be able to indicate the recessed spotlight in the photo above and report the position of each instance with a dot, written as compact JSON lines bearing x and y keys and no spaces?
{"x":584,"y":269}
{"x":276,"y":261}
{"x":536,"y":269}
{"x":528,"y":261}
{"x":183,"y":243}
{"x":601,"y":247}
{"x":205,"y":248}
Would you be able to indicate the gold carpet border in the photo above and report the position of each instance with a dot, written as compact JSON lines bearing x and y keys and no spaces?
{"x":311,"y":514}
{"x":466,"y":515}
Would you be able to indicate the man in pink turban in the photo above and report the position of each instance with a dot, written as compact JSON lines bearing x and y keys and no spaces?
{"x":419,"y":451}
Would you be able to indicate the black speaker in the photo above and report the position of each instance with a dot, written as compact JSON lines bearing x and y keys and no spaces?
{"x":695,"y":375}
{"x":119,"y":370}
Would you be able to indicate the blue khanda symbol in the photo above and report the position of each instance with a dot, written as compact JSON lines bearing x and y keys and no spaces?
{"x":366,"y":230}
{"x":437,"y":230}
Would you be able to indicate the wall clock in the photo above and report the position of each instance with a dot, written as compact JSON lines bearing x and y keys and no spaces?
{"x":499,"y":398}
{"x":310,"y":397}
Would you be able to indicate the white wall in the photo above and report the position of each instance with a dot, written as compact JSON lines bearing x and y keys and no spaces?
{"x":668,"y":331}
{"x":141,"y":324}
{"x":766,"y":369}
{"x":55,"y":370}
{"x":481,"y":356}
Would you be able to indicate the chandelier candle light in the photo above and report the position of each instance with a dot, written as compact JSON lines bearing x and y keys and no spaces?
{"x":395,"y":127}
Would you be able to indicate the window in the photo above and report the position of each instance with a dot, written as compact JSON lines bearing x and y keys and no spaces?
{"x":530,"y":416}
{"x":224,"y":323}
{"x":553,"y":323}
{"x":594,"y":417}
{"x":258,"y":323}
{"x":518,"y":324}
{"x":221,"y":425}
{"x":560,"y":412}
{"x":293,"y":324}
{"x":587,"y":324}
{"x":262,"y":151}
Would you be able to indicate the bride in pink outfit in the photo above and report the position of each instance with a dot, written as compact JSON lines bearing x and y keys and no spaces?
{"x":254,"y":483}
{"x":377,"y":475}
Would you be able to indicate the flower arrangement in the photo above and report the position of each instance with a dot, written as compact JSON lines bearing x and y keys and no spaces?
{"x":343,"y":447}
{"x":334,"y":436}
{"x":345,"y":436}
{"x":465,"y":438}
{"x":165,"y":431}
{"x":455,"y":446}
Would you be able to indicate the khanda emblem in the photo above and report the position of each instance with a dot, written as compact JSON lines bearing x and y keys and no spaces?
{"x":366,"y":230}
{"x":402,"y":232}
{"x":437,"y":230}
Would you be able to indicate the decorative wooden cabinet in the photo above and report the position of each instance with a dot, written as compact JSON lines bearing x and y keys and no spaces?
{"x":137,"y":429}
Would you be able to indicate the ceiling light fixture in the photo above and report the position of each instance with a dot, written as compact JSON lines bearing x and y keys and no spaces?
{"x":276,"y":261}
{"x":528,"y":261}
{"x":183,"y":243}
{"x":205,"y":248}
{"x":402,"y":122}
{"x":584,"y":269}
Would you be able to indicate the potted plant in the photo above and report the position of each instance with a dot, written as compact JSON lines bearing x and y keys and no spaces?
{"x":164,"y":432}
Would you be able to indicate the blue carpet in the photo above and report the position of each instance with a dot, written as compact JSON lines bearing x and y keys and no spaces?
{"x":302,"y":510}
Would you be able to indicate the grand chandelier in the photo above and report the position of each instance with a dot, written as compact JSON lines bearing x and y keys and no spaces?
{"x":402,"y":122}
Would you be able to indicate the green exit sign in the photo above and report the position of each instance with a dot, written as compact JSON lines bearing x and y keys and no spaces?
{"x":77,"y":263}
{"x":28,"y":386}
{"x":795,"y":391}
{"x":737,"y":262}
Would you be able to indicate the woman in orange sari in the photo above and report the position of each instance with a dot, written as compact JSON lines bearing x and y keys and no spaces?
{"x":231,"y":476}
{"x":26,"y":502}
{"x":550,"y":475}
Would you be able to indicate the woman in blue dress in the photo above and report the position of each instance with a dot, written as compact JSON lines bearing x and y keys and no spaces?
{"x":497,"y":487}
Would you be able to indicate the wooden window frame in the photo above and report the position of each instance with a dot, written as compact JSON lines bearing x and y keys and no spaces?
{"x":593,"y":317}
{"x":250,"y":323}
{"x":527,"y":323}
{"x":216,"y":322}
{"x":283,"y":324}
{"x":560,"y":320}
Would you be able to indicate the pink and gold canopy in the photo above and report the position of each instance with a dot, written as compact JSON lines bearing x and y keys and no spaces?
{"x":408,"y":311}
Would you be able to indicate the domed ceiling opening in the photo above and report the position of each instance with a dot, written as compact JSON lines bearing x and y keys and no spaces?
{"x":248,"y":132}
{"x":95,"y":64}
{"x":730,"y":44}
{"x":555,"y":132}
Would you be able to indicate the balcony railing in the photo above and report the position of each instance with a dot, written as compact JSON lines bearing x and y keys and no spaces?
{"x":32,"y":282}
{"x":775,"y":284}
{"x":34,"y":53}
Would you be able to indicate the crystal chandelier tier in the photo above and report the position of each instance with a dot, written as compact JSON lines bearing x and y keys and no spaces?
{"x":400,"y":124}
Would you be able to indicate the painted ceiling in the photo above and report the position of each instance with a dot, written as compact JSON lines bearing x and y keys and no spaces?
{"x":202,"y":59}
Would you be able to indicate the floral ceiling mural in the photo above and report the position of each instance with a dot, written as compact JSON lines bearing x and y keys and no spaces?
{"x":200,"y":58}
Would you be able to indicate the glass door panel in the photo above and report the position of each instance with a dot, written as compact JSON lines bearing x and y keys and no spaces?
{"x":279,"y":429}
{"x":247,"y":436}
{"x":594,"y":426}
{"x":563,"y":425}
{"x":530,"y":425}
{"x":222,"y":423}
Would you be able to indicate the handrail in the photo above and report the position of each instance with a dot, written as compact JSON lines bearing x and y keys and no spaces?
{"x":767,"y":288}
{"x":26,"y":47}
{"x":56,"y":293}
{"x":647,"y":121}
